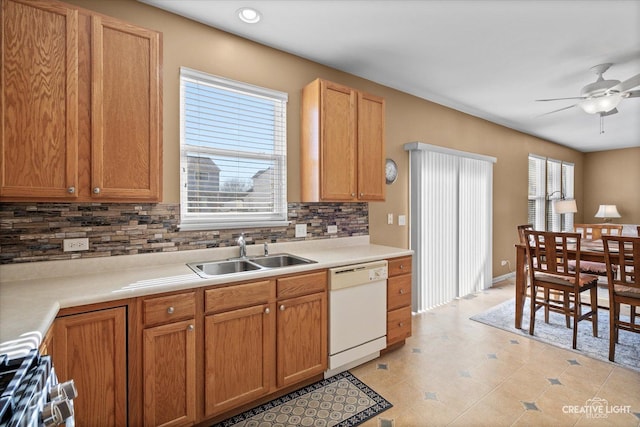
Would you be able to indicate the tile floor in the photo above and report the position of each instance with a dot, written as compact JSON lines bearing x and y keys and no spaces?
{"x":458,"y":372}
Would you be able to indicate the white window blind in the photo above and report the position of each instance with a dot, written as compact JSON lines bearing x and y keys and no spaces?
{"x":451,"y":223}
{"x":233,"y":153}
{"x":549,"y":180}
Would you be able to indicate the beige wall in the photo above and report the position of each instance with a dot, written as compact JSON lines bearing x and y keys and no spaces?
{"x":613,"y":178}
{"x":408,"y":119}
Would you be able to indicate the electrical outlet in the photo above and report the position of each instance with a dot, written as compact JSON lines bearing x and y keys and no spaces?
{"x":73,"y":245}
{"x":301,"y":230}
{"x":390,"y":218}
{"x":332,"y":229}
{"x":504,"y":262}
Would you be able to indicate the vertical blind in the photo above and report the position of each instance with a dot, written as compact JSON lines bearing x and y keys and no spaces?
{"x":451,"y":223}
{"x":233,"y":153}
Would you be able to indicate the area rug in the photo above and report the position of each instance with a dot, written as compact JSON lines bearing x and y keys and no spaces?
{"x":556,"y":333}
{"x":341,"y":400}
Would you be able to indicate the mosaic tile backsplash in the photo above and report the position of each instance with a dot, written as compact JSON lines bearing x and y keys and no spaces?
{"x":34,"y":231}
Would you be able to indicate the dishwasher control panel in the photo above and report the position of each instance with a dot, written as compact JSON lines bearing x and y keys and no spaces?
{"x":357,"y":274}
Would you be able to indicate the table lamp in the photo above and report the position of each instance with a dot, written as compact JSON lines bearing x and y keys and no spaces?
{"x":607,"y":212}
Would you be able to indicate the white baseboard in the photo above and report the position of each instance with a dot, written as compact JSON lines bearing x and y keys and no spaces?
{"x":503,"y":277}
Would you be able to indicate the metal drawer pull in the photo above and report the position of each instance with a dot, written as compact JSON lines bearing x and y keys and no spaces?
{"x":401,"y":291}
{"x":71,"y":190}
{"x":401,"y":324}
{"x":282,"y":307}
{"x":190,"y":328}
{"x":96,"y":190}
{"x":170,"y":310}
{"x":267,"y":311}
{"x":401,"y":266}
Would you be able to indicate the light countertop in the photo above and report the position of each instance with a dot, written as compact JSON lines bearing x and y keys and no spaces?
{"x":31,"y":294}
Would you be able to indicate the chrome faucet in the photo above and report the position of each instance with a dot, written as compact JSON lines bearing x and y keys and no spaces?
{"x":266,"y":249}
{"x":243,"y":246}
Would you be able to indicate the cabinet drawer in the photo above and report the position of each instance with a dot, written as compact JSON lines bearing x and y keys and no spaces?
{"x":236,"y":296}
{"x":169,"y":308}
{"x":302,"y":284}
{"x":399,"y":266}
{"x":398,"y":292}
{"x":398,"y":325}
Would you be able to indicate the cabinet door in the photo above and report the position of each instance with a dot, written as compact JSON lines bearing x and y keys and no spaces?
{"x":169,"y":360}
{"x":338,"y":142}
{"x":39,"y":108}
{"x":90,"y":348}
{"x":301,"y":338}
{"x":125,"y":110}
{"x":371,"y":154}
{"x":239,"y":357}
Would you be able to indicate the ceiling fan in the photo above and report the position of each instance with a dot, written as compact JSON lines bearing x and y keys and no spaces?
{"x":602,"y":96}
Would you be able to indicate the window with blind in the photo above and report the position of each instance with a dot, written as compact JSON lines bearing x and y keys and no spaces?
{"x":233,"y":153}
{"x":549,"y":180}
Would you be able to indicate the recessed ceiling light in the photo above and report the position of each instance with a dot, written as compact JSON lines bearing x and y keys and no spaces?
{"x":249,"y":15}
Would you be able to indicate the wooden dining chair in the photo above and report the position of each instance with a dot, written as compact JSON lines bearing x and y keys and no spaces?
{"x":548,"y":255}
{"x":557,"y":296}
{"x":595,"y":232}
{"x":623,"y":252}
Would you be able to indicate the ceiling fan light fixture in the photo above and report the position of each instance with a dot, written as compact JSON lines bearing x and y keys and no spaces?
{"x":601,"y":104}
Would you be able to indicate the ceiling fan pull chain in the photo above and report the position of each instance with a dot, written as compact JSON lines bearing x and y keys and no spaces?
{"x":601,"y":124}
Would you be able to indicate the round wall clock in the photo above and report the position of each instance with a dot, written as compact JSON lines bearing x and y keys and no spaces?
{"x":390,"y":171}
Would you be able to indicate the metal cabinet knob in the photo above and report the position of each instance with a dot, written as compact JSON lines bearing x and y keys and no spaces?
{"x":401,"y":266}
{"x":170,"y":310}
{"x":267,"y":311}
{"x":96,"y":190}
{"x":401,"y":324}
{"x":71,"y":190}
{"x":361,"y":194}
{"x":282,"y":307}
{"x":190,"y":328}
{"x":353,"y":194}
{"x":401,"y":291}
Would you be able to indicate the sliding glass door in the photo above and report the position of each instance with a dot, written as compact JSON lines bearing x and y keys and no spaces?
{"x":451,"y":223}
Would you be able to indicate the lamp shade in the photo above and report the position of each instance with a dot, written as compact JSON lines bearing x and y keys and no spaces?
{"x":601,"y":104}
{"x":565,"y":206}
{"x":607,"y":211}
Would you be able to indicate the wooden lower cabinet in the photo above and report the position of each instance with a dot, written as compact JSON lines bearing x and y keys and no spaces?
{"x":302,"y":338}
{"x":91,"y":349}
{"x":399,"y":300}
{"x":239,"y":357}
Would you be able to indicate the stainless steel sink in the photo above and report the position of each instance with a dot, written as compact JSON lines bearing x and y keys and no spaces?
{"x":239,"y":265}
{"x":280,"y":260}
{"x":217,"y":268}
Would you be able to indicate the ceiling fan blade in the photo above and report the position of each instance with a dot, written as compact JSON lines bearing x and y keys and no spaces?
{"x":560,"y":99}
{"x":627,"y":84}
{"x":608,"y":113}
{"x":632,"y":94}
{"x":555,"y":111}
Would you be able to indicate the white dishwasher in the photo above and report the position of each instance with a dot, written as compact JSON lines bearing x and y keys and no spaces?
{"x":357,"y":314}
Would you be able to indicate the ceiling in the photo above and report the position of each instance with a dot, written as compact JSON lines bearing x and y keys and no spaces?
{"x":488,"y":58}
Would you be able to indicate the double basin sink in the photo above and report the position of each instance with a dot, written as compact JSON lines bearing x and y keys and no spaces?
{"x":240,"y":265}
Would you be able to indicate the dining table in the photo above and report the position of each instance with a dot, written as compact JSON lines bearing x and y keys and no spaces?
{"x":590,"y":250}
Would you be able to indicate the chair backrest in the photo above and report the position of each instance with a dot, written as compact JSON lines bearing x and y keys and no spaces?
{"x":622,"y":251}
{"x":521,"y":229}
{"x":550,"y":252}
{"x":596,"y":231}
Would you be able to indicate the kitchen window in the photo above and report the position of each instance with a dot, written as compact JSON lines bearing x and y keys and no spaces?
{"x":233,"y":146}
{"x":549,"y":180}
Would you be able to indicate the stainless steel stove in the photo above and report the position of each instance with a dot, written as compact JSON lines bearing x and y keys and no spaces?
{"x":30,"y":395}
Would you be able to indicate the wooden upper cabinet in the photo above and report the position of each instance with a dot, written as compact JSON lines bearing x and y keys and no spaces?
{"x":125,"y":104}
{"x":342,"y":144}
{"x":81,"y":110}
{"x":39,"y":100}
